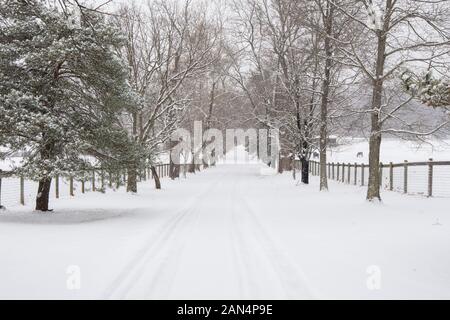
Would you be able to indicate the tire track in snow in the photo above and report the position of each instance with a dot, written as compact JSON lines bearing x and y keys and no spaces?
{"x":255,"y":279}
{"x":242,"y":271}
{"x":163,"y":240}
{"x":290,"y":276}
{"x":246,"y":261}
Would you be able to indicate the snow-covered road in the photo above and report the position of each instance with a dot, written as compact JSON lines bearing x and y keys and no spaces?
{"x":229,"y":232}
{"x":213,"y":247}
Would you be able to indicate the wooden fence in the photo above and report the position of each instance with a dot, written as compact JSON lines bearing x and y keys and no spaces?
{"x":15,"y":190}
{"x":430,"y":178}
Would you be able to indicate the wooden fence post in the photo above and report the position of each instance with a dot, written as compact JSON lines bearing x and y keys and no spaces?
{"x":405,"y":177}
{"x":391,"y":176}
{"x":355,"y":179}
{"x":337,"y":171}
{"x":348,"y":173}
{"x":362,"y":174}
{"x":82,"y":184}
{"x":430,"y":177}
{"x":71,"y":186}
{"x":57,"y":186}
{"x":332,"y":171}
{"x":22,"y":191}
{"x":343,"y":172}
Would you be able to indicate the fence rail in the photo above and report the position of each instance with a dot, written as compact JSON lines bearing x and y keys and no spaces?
{"x":16,"y":190}
{"x":428,"y":178}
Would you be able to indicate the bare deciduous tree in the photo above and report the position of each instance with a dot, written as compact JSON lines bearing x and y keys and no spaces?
{"x":390,"y":35}
{"x":167,"y":44}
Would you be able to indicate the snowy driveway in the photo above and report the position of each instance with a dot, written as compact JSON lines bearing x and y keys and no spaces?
{"x":229,"y":232}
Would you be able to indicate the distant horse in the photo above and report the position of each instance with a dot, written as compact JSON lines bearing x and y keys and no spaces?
{"x":360,"y":155}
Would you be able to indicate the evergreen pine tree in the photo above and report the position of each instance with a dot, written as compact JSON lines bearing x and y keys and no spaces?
{"x":62,"y":89}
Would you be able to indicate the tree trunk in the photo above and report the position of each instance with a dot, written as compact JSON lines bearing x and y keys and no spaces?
{"x":213,"y":158}
{"x":192,"y":164}
{"x":132,"y":179}
{"x":155,"y":177}
{"x":305,"y":170}
{"x":43,"y":194}
{"x":174,"y":162}
{"x":205,"y":163}
{"x":176,"y":171}
{"x":197,"y":160}
{"x":280,"y":165}
{"x":325,"y":94}
{"x":373,"y":190}
{"x":171,"y":169}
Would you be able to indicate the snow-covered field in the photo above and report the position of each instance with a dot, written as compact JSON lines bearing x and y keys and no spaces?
{"x":392,"y":150}
{"x":228,"y":232}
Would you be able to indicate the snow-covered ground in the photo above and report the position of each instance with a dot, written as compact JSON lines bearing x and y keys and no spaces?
{"x":392,"y":150}
{"x":229,"y":232}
